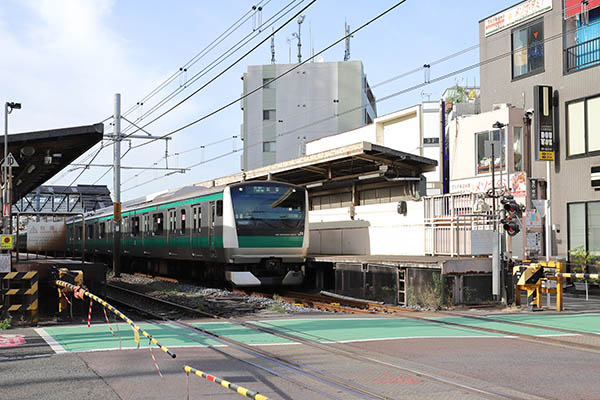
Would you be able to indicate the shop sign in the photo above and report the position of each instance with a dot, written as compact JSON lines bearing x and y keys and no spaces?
{"x":515,"y":15}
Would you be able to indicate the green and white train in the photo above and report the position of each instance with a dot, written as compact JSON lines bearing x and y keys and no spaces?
{"x":250,"y":233}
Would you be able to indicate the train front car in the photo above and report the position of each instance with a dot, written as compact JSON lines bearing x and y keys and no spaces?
{"x":265,"y":233}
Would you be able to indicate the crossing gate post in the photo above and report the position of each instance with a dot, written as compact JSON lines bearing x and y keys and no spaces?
{"x":22,"y":299}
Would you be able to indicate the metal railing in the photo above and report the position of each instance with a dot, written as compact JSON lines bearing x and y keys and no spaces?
{"x":583,"y":55}
{"x":449,"y":220}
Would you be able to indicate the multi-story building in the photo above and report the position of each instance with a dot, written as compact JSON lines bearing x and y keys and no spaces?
{"x":554,"y":43}
{"x":315,"y":100}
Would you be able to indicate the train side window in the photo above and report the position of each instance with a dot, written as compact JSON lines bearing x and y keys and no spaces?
{"x":182,"y":216}
{"x":157,"y":223}
{"x":219,"y":208}
{"x":135,"y":226}
{"x":90,"y":231}
{"x":146,"y":223}
{"x":101,"y":230}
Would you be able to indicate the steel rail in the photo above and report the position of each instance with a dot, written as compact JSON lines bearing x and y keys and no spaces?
{"x":310,"y":372}
{"x":297,"y":367}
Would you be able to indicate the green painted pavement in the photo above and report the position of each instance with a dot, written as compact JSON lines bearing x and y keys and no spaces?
{"x":514,"y":329}
{"x":577,"y":322}
{"x":98,"y":337}
{"x":242,"y":334}
{"x":326,"y":330}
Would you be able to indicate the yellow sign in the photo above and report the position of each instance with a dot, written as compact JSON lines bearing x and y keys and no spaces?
{"x":546,"y":156}
{"x":6,"y":242}
{"x":117,"y":212}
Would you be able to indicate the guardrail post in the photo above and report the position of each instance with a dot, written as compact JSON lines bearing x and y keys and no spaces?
{"x":559,"y":287}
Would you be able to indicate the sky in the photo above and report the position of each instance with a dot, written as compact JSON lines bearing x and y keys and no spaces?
{"x":64,"y":60}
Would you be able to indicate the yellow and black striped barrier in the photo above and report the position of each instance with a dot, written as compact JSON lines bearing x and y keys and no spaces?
{"x":530,"y":275}
{"x":28,"y":296}
{"x":578,"y":275}
{"x":80,"y":292}
{"x":231,"y":386}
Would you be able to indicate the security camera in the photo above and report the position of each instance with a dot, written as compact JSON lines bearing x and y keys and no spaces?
{"x":529,"y":112}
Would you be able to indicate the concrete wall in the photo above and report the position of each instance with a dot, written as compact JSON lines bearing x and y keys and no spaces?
{"x":377,"y":229}
{"x":570,"y":176}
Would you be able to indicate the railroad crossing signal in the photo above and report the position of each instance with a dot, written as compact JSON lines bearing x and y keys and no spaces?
{"x":10,"y":161}
{"x":514,"y":211}
{"x":6,"y":242}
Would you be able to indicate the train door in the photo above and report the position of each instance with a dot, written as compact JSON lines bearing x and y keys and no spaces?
{"x":172,"y":233}
{"x":212,"y":216}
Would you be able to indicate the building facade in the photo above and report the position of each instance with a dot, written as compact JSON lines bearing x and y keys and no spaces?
{"x":315,"y":100}
{"x":554,"y":43}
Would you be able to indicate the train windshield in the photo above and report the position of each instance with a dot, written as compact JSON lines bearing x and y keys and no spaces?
{"x":268,"y":209}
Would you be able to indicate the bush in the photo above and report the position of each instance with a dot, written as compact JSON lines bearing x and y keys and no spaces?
{"x":581,"y":258}
{"x":5,"y":324}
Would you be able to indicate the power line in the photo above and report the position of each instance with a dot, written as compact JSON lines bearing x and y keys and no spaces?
{"x":403,"y":91}
{"x":229,"y":67}
{"x":228,"y":53}
{"x":277,"y":77}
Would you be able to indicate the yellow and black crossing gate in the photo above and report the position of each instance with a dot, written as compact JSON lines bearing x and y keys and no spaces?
{"x":19,"y":294}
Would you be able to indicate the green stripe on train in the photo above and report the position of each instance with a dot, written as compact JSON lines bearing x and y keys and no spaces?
{"x":216,"y":196}
{"x":270,"y":241}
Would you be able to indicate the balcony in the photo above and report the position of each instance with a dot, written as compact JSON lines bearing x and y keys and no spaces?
{"x":583,"y":55}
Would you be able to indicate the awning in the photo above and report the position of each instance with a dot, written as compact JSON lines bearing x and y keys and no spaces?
{"x":575,"y":7}
{"x":43,"y":154}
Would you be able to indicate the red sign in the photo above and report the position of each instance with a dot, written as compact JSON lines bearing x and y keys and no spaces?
{"x":5,"y":209}
{"x":574,"y":7}
{"x":11,"y":340}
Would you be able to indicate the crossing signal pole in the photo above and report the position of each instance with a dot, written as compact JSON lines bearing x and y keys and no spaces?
{"x":117,"y":187}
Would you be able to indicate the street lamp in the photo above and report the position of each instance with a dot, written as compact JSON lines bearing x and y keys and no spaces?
{"x":8,"y":107}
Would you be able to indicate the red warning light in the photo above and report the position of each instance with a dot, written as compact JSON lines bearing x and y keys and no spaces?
{"x":535,"y":35}
{"x":7,"y":240}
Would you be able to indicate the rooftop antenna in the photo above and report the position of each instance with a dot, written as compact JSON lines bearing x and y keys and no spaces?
{"x":347,"y":41}
{"x":273,"y":46}
{"x":289,"y":42}
{"x":297,"y":36}
{"x":428,"y":95}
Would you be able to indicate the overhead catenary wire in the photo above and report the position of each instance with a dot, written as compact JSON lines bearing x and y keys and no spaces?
{"x":227,"y":68}
{"x":402,"y":91}
{"x":277,"y":77}
{"x":225,"y":55}
{"x":496,"y":37}
{"x":226,"y":33}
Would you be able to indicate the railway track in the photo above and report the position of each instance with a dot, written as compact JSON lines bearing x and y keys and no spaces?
{"x":318,"y":380}
{"x":586,"y":341}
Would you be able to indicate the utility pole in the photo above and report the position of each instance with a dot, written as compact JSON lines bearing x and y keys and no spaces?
{"x":117,"y":187}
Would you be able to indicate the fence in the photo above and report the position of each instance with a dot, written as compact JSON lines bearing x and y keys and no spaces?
{"x":450,"y":221}
{"x":19,"y":294}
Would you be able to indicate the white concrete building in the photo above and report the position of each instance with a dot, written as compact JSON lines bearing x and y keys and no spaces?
{"x":415,"y":130}
{"x":315,"y":100}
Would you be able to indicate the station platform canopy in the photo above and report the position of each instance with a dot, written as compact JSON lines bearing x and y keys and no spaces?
{"x":41,"y":155}
{"x":356,"y":161}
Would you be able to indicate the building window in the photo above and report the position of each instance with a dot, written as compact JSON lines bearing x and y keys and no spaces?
{"x":269,"y":146}
{"x":268,"y":115}
{"x":517,"y":148}
{"x":584,"y":226}
{"x":528,"y":49}
{"x":583,"y":123}
{"x":484,"y":161}
{"x":268,"y":83}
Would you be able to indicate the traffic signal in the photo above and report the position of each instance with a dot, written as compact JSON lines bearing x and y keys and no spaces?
{"x":514,"y":211}
{"x":511,"y":227}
